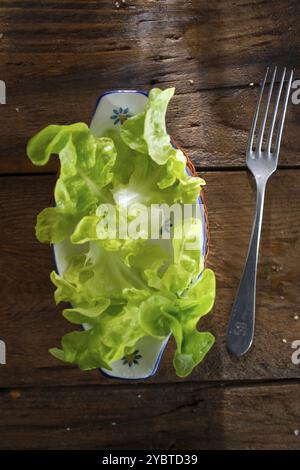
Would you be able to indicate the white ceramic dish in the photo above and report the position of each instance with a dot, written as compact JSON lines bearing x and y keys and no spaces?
{"x":111,"y":110}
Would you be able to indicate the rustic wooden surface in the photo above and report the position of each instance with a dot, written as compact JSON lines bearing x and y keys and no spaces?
{"x":143,"y":415}
{"x":56,"y":58}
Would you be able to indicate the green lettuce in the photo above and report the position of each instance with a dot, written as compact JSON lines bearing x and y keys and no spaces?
{"x":86,"y":165}
{"x":123,"y":289}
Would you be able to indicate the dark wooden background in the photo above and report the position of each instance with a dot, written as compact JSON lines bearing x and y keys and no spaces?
{"x":56,"y":57}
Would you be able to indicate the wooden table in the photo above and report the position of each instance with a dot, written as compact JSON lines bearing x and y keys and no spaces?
{"x":56,"y":58}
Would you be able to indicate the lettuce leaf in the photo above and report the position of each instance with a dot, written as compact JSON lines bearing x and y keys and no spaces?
{"x":123,"y":289}
{"x":86,"y":164}
{"x":146,"y":132}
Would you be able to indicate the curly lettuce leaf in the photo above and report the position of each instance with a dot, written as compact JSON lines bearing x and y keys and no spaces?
{"x":146,"y":132}
{"x":125,"y":314}
{"x":161,"y":316}
{"x":115,"y":329}
{"x":86,"y":164}
{"x":123,"y":289}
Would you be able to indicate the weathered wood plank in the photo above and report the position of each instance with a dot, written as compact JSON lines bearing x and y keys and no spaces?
{"x":170,"y":417}
{"x":30,"y":323}
{"x":57,"y":59}
{"x":211,"y":126}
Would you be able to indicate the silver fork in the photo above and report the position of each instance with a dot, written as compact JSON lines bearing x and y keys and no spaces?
{"x":262,"y":162}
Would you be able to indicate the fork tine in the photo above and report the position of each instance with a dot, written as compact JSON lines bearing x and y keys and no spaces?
{"x":283,"y":113}
{"x":264,"y":119}
{"x":254,"y":122}
{"x":275,"y":110}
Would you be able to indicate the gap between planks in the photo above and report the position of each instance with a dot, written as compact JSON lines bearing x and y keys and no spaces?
{"x":204,"y":169}
{"x":205,"y":385}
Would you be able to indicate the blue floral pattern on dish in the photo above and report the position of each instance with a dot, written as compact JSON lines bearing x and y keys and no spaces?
{"x":120,"y":115}
{"x":131,"y":359}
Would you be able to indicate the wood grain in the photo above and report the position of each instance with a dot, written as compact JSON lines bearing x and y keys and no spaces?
{"x":30,"y":323}
{"x":161,"y":417}
{"x":56,"y":59}
{"x":211,"y":126}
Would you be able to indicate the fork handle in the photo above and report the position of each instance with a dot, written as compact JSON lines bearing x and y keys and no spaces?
{"x":242,"y":319}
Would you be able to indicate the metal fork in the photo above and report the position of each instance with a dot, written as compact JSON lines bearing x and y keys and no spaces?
{"x":262,"y":162}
